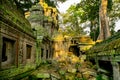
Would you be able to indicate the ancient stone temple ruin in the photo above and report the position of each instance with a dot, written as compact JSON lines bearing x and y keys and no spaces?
{"x":44,"y":21}
{"x":17,"y":42}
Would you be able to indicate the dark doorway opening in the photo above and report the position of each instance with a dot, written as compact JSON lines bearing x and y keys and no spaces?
{"x":8,"y":52}
{"x":42,"y":51}
{"x":28,"y":51}
{"x":106,"y":65}
{"x":47,"y":55}
{"x":75,"y":50}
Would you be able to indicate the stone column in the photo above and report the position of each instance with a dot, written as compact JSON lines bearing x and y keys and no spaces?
{"x":116,"y":70}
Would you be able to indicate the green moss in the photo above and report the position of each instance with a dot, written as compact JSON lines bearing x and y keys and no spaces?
{"x":11,"y":14}
{"x":107,"y":46}
{"x":11,"y":73}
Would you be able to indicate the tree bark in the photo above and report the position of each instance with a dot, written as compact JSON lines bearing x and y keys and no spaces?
{"x":103,"y":21}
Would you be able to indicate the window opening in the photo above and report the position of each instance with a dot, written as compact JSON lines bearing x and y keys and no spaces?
{"x":28,"y":51}
{"x":47,"y":54}
{"x":42,"y":50}
{"x":4,"y":56}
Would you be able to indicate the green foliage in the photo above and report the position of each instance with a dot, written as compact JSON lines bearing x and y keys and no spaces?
{"x":72,"y":22}
{"x":115,"y":12}
{"x":88,"y":10}
{"x":110,"y":4}
{"x":50,"y":3}
{"x":99,"y":77}
{"x":85,"y":11}
{"x":94,"y":34}
{"x":24,"y":5}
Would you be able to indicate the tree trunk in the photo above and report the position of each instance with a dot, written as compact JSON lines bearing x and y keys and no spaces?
{"x":103,"y":21}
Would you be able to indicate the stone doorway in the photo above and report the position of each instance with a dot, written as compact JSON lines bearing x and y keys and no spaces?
{"x":8,"y":54}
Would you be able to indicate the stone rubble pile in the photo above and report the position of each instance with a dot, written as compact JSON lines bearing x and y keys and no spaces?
{"x":69,"y":68}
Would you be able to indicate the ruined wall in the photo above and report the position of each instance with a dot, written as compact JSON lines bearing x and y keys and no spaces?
{"x":46,"y":49}
{"x":20,"y":40}
{"x":44,"y":21}
{"x":17,"y":42}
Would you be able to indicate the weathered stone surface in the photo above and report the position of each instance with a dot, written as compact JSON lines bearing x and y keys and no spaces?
{"x":69,"y":76}
{"x":68,"y":70}
{"x":72,"y":70}
{"x":55,"y":76}
{"x":79,"y":75}
{"x":92,"y":78}
{"x":43,"y":75}
{"x":87,"y":74}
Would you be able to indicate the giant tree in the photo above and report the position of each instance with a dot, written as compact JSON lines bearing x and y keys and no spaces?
{"x":95,"y":11}
{"x":103,"y":21}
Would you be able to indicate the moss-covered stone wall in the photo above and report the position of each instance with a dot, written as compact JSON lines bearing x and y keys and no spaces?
{"x":11,"y":15}
{"x":111,"y":46}
{"x":17,"y":30}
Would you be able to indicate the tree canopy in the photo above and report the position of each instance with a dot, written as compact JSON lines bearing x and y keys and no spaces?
{"x":72,"y":22}
{"x":88,"y":11}
{"x":24,"y":5}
